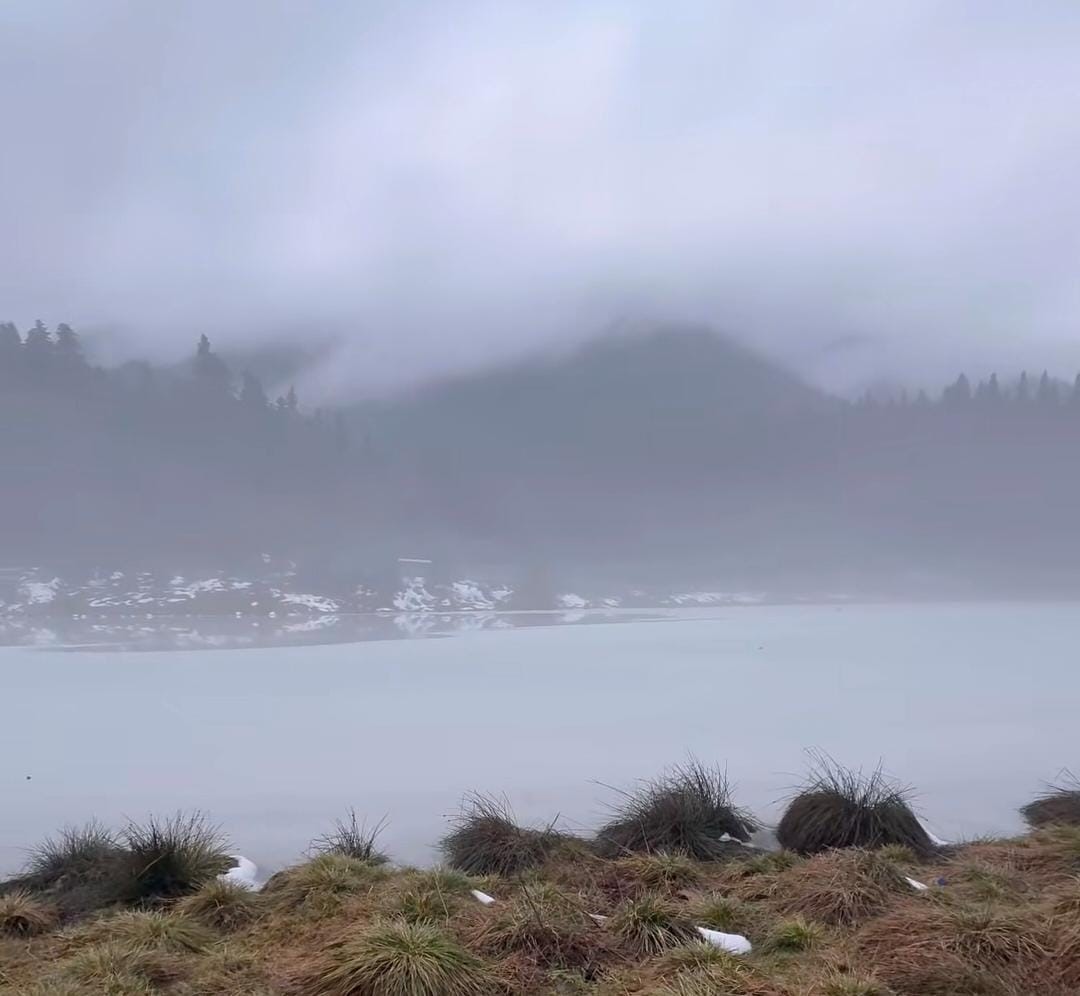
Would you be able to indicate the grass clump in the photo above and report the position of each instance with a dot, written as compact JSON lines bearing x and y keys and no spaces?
{"x":688,"y":811}
{"x":852,"y":985}
{"x":74,"y":855}
{"x":320,"y":885}
{"x":351,"y":838}
{"x":169,"y":858}
{"x":697,"y":956}
{"x":768,"y":864}
{"x":649,"y":925}
{"x":840,"y":807}
{"x":433,"y":896}
{"x":665,"y":872}
{"x":1058,"y":805}
{"x":723,"y":977}
{"x":145,"y":930}
{"x":546,"y":926}
{"x":118,"y":969}
{"x":923,"y":948}
{"x":841,"y":888}
{"x":485,"y":840}
{"x":221,"y":904}
{"x":794,"y":935}
{"x":401,"y":959}
{"x":23,"y":915}
{"x":726,"y":914}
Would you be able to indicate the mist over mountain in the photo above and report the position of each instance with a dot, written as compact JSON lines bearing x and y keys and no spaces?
{"x":674,"y":453}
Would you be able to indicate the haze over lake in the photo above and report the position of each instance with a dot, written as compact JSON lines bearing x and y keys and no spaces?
{"x":276,"y":743}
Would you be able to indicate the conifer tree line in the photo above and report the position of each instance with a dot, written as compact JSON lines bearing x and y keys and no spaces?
{"x":44,"y":358}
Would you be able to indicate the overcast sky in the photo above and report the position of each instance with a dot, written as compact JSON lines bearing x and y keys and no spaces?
{"x":863,"y":189}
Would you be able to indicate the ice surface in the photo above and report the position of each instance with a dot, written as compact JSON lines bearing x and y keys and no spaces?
{"x":973,"y":705}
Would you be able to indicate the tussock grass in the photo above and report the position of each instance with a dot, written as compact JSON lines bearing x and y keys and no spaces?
{"x":898,"y":854}
{"x":352,"y":838}
{"x":794,"y":935}
{"x":689,"y":811}
{"x":23,"y":915}
{"x":79,"y":869}
{"x":321,"y":884}
{"x":171,"y":857}
{"x":663,"y":872}
{"x":935,"y":948}
{"x":1059,"y":804}
{"x":987,"y":883}
{"x":547,"y":926}
{"x":727,"y":914}
{"x":401,"y":959}
{"x":74,"y":854}
{"x":120,"y":970}
{"x":145,"y":930}
{"x":839,"y":984}
{"x":730,"y":978}
{"x":222,"y":904}
{"x":433,"y":896}
{"x":485,"y":840}
{"x":767,"y":864}
{"x":649,"y":925}
{"x":696,"y":956}
{"x":841,"y":887}
{"x":841,"y":807}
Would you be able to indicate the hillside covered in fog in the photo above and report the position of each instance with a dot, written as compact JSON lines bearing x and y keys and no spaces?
{"x":677,"y":454}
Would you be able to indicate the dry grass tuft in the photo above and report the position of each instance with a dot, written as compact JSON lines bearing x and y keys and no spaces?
{"x":485,"y":840}
{"x":649,"y":925}
{"x":139,"y":930}
{"x":168,"y":858}
{"x":841,"y":887}
{"x":117,"y":969}
{"x":687,"y":811}
{"x":727,"y":914}
{"x":400,"y":959}
{"x":23,"y":915}
{"x":933,"y":948}
{"x":352,"y":838}
{"x":663,"y":872}
{"x":222,"y":904}
{"x":319,"y":886}
{"x":728,"y":977}
{"x":547,"y":926}
{"x":434,"y":896}
{"x":841,"y":807}
{"x":1059,"y":805}
{"x":793,"y":935}
{"x":840,"y":984}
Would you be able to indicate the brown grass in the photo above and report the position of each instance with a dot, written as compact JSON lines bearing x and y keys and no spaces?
{"x":547,"y":926}
{"x":23,"y":915}
{"x":926,"y":948}
{"x":841,"y":887}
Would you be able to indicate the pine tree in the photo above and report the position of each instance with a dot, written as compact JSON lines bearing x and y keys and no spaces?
{"x":1023,"y":392}
{"x":288,"y":403}
{"x":10,"y":340}
{"x":68,"y":346}
{"x":252,"y":394}
{"x":1076,"y":391}
{"x":210,"y":370}
{"x":38,"y":340}
{"x":1048,"y":394}
{"x":958,"y":393}
{"x":993,"y":389}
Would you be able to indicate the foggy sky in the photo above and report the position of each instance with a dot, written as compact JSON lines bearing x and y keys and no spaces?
{"x":862,"y":189}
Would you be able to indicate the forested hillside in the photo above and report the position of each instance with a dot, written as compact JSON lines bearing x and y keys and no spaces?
{"x":673,"y":451}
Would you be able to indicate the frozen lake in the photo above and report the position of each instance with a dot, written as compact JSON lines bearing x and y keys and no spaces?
{"x":974,"y":705}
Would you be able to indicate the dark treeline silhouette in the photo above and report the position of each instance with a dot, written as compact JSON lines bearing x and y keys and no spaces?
{"x":674,"y":453}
